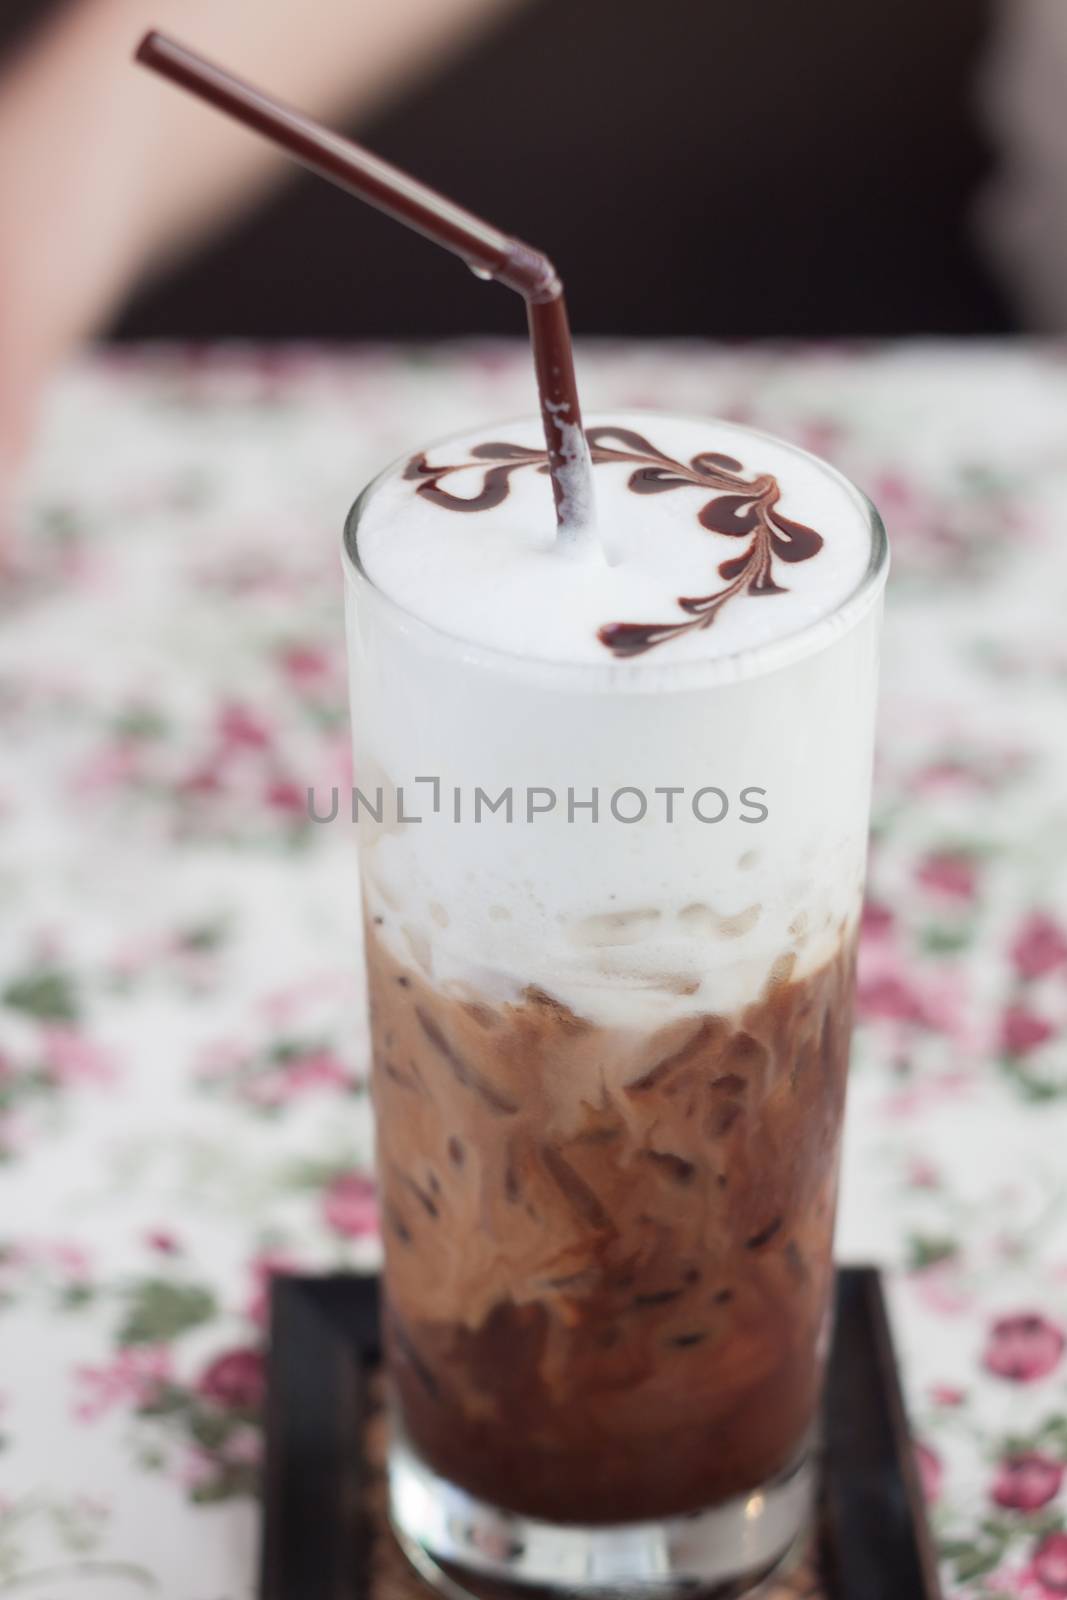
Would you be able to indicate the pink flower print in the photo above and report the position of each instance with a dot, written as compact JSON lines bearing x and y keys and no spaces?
{"x":947,"y":1394}
{"x":931,"y":1472}
{"x":329,"y":769}
{"x":239,"y":728}
{"x":283,"y":1007}
{"x":890,"y":997}
{"x":948,"y":774}
{"x":234,"y":1380}
{"x":949,"y":873}
{"x":935,"y":997}
{"x":940,"y":1289}
{"x":1023,"y":1347}
{"x":1049,"y":1564}
{"x":821,"y":435}
{"x":1039,"y":947}
{"x":110,"y":767}
{"x":896,"y":495}
{"x":133,"y":1378}
{"x":284,"y":1079}
{"x":69,"y":1057}
{"x":243,"y":1448}
{"x":914,"y":517}
{"x":337,"y":762}
{"x":877,"y":920}
{"x":72,"y":1260}
{"x":305,"y":664}
{"x":201,"y":781}
{"x":885,"y":989}
{"x":1026,"y":1482}
{"x":350,"y":1206}
{"x":197,"y":1470}
{"x":267,"y":1090}
{"x":1022,"y":1030}
{"x":282,"y":794}
{"x":163,"y":1241}
{"x":320,"y":1069}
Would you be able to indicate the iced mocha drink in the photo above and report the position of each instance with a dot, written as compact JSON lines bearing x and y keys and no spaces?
{"x":613,"y":818}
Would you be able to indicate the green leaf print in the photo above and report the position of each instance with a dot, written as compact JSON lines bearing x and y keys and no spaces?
{"x":47,"y":994}
{"x":159,"y":1311}
{"x":926,"y":1249}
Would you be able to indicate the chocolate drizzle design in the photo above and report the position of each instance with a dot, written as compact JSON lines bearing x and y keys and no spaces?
{"x":739,"y":508}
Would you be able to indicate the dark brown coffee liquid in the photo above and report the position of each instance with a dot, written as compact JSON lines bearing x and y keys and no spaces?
{"x":608,"y":1252}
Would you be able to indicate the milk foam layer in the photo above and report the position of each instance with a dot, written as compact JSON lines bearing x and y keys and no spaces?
{"x":495,"y":577}
{"x":628,"y":924}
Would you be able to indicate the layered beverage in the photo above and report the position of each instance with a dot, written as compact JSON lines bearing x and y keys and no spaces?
{"x":613,"y":813}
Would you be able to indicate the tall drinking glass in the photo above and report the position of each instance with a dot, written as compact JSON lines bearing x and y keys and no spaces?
{"x":611,"y":912}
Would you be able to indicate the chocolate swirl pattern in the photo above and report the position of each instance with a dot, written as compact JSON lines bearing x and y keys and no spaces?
{"x":744,"y":508}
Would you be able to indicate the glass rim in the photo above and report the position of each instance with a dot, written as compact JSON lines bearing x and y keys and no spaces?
{"x":649,"y":672}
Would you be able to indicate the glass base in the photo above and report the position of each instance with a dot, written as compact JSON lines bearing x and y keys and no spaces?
{"x":465,"y":1547}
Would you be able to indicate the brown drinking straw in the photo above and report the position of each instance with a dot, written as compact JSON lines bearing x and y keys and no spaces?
{"x":485,"y":249}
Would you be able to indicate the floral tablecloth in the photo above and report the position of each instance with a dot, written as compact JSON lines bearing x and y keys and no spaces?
{"x":183,"y":1061}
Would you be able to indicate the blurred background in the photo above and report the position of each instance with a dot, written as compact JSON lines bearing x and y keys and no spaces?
{"x":683,"y":119}
{"x":715,"y":170}
{"x":744,"y":170}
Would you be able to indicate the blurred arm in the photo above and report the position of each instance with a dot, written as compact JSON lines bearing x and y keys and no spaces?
{"x":1023,"y":215}
{"x":105,"y":172}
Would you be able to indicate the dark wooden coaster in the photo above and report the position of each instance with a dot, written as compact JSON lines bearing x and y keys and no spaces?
{"x":325,"y":1534}
{"x":876,"y":1537}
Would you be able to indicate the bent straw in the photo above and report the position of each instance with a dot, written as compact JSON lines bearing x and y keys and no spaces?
{"x":484,"y":248}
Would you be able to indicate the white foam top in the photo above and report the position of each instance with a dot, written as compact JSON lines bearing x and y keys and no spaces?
{"x":495,"y":577}
{"x":635,"y":924}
